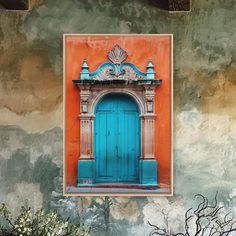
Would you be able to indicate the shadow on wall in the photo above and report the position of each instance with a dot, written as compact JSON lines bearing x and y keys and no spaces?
{"x":168,"y":5}
{"x":172,"y":5}
{"x":14,"y":4}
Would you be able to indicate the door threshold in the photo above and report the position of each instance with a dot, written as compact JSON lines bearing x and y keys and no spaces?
{"x":120,"y":185}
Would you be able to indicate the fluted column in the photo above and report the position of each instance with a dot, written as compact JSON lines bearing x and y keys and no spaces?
{"x":86,"y":136}
{"x":148,"y":127}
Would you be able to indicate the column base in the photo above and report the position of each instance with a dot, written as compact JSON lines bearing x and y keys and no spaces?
{"x":148,"y":172}
{"x":86,"y":170}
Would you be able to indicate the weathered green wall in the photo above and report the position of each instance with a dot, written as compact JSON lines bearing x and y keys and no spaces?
{"x":204,"y":105}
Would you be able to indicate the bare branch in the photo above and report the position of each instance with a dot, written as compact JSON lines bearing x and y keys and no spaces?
{"x":207,"y":220}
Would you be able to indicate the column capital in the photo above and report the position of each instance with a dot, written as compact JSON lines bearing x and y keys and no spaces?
{"x":86,"y":116}
{"x":148,"y":116}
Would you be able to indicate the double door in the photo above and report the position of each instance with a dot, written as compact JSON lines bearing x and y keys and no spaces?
{"x":117,"y":139}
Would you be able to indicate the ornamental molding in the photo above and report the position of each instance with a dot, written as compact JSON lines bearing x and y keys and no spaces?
{"x":117,"y":55}
{"x":117,"y":76}
{"x":117,"y":68}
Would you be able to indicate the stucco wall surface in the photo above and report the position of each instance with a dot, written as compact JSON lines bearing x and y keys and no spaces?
{"x":204,"y":105}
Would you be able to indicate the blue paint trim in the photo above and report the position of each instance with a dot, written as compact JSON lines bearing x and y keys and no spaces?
{"x":86,"y":171}
{"x":150,"y":74}
{"x":148,"y":172}
{"x":136,"y":70}
{"x":84,"y":74}
{"x":150,"y":71}
{"x":101,"y":67}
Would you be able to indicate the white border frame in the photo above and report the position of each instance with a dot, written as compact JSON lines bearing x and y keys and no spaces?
{"x":171,"y":120}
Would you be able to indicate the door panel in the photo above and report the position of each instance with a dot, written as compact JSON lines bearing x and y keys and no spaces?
{"x":105,"y":147}
{"x":117,"y":139}
{"x":129,"y":146}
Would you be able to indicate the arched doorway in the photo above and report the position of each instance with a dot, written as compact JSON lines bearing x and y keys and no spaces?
{"x":115,"y":100}
{"x":117,"y":139}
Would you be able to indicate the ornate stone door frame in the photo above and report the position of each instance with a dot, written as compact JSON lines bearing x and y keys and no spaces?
{"x":117,"y":77}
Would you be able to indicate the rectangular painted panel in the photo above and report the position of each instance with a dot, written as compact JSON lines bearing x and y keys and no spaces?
{"x":106,"y":147}
{"x":111,"y":154}
{"x":129,"y":146}
{"x":101,"y":142}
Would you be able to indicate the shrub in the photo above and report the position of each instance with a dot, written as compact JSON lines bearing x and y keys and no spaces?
{"x":40,"y":223}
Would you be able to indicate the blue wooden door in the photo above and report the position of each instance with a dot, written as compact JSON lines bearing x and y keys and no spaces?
{"x":117,"y":139}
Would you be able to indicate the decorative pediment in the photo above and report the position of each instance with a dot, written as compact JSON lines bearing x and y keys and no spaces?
{"x":117,"y":69}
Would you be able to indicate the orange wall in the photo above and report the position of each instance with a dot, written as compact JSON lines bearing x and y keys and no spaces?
{"x":139,"y":49}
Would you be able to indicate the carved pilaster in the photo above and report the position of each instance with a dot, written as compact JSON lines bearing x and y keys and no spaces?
{"x":148,"y":130}
{"x":84,"y":96}
{"x":149,"y":96}
{"x":86,"y":136}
